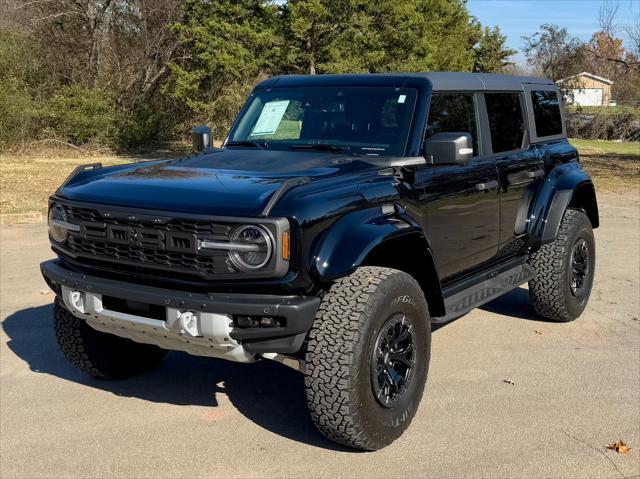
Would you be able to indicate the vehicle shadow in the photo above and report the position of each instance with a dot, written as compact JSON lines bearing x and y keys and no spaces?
{"x":516,"y":304}
{"x":268,"y":393}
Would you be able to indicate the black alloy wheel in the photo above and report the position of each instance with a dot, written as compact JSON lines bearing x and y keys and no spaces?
{"x":393,"y":360}
{"x":579,"y":267}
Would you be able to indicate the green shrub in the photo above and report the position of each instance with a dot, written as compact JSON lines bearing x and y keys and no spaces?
{"x":19,"y":72}
{"x":81,"y":115}
{"x":141,"y":126}
{"x":19,"y":114}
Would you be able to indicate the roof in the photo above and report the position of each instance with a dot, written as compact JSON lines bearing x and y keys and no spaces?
{"x":590,"y":75}
{"x":440,"y":80}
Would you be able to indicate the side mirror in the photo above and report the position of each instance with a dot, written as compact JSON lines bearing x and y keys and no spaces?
{"x":449,"y":148}
{"x":201,"y":137}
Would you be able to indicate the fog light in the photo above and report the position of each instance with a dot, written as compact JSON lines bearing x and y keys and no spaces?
{"x":257,"y":321}
{"x":246,"y":321}
{"x":268,"y":322}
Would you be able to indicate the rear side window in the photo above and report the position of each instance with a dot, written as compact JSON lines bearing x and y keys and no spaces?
{"x":453,"y":113}
{"x":546,"y":112}
{"x":505,"y":121}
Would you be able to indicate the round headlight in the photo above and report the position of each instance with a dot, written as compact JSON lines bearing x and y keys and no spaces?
{"x":57,"y":232}
{"x":254,"y":247}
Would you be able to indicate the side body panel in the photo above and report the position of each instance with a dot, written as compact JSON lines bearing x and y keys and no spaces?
{"x":461,"y":220}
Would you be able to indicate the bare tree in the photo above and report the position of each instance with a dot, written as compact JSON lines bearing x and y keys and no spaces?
{"x":553,"y":52}
{"x":123,"y":45}
{"x":610,"y":28}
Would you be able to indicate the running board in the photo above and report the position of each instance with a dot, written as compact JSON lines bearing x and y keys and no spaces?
{"x":459,"y":298}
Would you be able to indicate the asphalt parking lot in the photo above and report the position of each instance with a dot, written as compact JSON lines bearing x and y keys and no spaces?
{"x":509,"y":395}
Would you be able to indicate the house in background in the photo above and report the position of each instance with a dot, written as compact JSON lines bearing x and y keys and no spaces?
{"x":586,"y":89}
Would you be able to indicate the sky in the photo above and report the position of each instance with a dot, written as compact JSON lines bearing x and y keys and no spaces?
{"x":517,"y":18}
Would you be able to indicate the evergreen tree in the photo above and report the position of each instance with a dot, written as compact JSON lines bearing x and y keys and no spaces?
{"x":378,"y":36}
{"x":228,"y":45}
{"x":491,"y":53}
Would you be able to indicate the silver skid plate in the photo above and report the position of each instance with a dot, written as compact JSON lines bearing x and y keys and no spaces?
{"x":197,"y":333}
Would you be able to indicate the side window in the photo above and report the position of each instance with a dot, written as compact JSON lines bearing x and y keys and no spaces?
{"x":453,"y":112}
{"x":505,"y":121}
{"x":546,"y":112}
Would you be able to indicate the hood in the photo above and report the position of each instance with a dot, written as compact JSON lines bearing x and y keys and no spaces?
{"x":236,"y":182}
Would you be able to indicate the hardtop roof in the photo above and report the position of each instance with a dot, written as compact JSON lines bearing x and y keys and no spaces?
{"x":440,"y":81}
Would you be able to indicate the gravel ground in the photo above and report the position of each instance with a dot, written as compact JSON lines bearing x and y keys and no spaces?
{"x":576,"y":387}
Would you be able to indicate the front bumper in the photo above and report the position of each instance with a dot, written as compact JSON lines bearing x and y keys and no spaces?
{"x":211,"y":315}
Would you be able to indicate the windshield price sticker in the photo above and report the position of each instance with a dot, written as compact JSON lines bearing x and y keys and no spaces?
{"x":270,"y":118}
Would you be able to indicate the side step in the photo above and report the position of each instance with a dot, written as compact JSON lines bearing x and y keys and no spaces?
{"x":462,"y":297}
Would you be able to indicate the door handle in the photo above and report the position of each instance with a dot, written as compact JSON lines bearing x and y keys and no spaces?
{"x":535,"y":174}
{"x":489,"y":185}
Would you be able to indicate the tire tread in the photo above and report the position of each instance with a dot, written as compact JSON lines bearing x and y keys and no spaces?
{"x":547,"y":289}
{"x":331,"y":372}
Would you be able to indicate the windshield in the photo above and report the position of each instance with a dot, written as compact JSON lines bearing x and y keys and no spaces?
{"x":371,"y":121}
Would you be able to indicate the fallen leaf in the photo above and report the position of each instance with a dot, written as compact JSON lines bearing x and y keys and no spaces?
{"x":214,"y":416}
{"x":539,"y":331}
{"x":620,"y":447}
{"x":509,"y":381}
{"x":45,"y":291}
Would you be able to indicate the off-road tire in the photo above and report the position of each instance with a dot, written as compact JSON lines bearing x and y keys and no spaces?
{"x":338,"y":369}
{"x":550,"y":291}
{"x":100,"y":354}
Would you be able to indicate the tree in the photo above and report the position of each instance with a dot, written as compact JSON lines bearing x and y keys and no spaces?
{"x":491,"y":53}
{"x":378,"y":36}
{"x":553,"y":52}
{"x":227,"y":45}
{"x":605,"y":55}
{"x":310,"y":27}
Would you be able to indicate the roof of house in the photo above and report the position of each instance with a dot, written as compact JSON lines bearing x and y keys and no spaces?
{"x":590,"y":75}
{"x":440,"y":80}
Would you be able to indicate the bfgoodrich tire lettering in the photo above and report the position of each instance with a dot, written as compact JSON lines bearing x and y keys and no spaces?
{"x":338,"y":374}
{"x":100,"y":354}
{"x":551,"y":292}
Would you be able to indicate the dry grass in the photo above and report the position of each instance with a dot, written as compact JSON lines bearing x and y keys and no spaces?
{"x":613,"y":165}
{"x":27,"y":180}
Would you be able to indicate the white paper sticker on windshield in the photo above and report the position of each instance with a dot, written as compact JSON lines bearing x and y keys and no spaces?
{"x":270,"y":117}
{"x":402,"y":98}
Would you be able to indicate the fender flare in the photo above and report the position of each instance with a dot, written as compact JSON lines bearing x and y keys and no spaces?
{"x":556,"y":195}
{"x":346,"y":244}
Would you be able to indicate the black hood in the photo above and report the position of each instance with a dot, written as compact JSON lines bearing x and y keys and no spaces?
{"x":228,"y":181}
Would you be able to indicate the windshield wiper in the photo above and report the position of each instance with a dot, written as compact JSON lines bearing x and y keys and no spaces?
{"x":249,"y":143}
{"x":322,"y":147}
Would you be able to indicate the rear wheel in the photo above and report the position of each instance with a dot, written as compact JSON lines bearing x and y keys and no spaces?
{"x":368,"y":357}
{"x":100,"y":354}
{"x":564,"y":270}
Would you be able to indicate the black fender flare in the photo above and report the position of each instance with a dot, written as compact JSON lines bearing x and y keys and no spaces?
{"x":351,"y":240}
{"x":567,"y":185}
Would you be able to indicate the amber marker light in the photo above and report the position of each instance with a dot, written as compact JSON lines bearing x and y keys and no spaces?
{"x":285,"y":245}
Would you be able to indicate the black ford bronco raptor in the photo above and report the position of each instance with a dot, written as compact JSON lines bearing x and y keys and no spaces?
{"x":341,"y":217}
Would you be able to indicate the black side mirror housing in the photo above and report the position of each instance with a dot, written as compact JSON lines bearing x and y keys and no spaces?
{"x":201,"y":138}
{"x":450,"y":148}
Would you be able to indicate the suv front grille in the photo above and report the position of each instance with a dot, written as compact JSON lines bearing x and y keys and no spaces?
{"x":216,"y":263}
{"x":201,"y":228}
{"x":149,"y":241}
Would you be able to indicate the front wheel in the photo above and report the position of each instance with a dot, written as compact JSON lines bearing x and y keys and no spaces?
{"x":368,"y":357}
{"x":564,"y":270}
{"x":100,"y":354}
